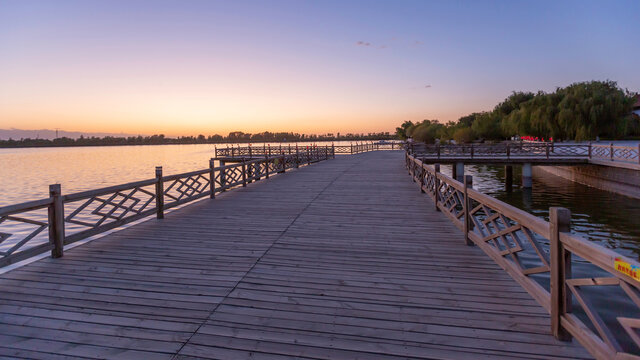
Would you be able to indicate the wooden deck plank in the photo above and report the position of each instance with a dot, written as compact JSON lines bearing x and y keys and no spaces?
{"x":339,"y":260}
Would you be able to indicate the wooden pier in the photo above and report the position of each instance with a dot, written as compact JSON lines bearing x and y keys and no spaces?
{"x":340,"y":260}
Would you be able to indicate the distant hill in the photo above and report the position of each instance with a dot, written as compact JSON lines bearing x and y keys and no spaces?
{"x":17,"y":134}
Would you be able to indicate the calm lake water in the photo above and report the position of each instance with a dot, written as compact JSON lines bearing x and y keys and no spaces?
{"x":25,"y":174}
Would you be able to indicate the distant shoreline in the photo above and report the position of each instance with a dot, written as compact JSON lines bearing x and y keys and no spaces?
{"x":50,"y":144}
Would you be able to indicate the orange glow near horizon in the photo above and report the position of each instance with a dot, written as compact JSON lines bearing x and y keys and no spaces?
{"x":212,"y":67}
{"x":187,"y":108}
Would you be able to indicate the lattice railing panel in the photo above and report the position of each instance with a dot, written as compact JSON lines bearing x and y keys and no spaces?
{"x":290,"y":161}
{"x":569,"y":150}
{"x":233,"y":175}
{"x":625,"y":154}
{"x":509,"y":239}
{"x":88,"y":215}
{"x":182,"y":189}
{"x":602,"y":287}
{"x":450,"y":200}
{"x":23,"y":233}
{"x":600,"y":151}
{"x":606,"y":302}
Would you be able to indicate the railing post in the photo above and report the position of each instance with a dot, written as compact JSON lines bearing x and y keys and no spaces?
{"x":249,"y":151}
{"x":159,"y":193}
{"x":297,"y":157}
{"x":423,"y":174}
{"x":406,"y":160}
{"x":249,"y":171}
{"x":438,"y":150}
{"x":508,"y":178}
{"x":611,"y":150}
{"x":266,"y":163}
{"x":527,"y":176}
{"x":560,"y":261}
{"x":472,"y":151}
{"x":547,"y":150}
{"x":333,"y":151}
{"x":326,"y":152}
{"x":308,"y":156}
{"x":223,"y":180}
{"x":589,"y":150}
{"x":468,"y":182}
{"x":256,"y":169}
{"x":284,"y":163}
{"x":212,"y":177}
{"x":508,"y":151}
{"x":351,"y":148}
{"x":437,"y":188}
{"x":244,"y":173}
{"x":56,"y":221}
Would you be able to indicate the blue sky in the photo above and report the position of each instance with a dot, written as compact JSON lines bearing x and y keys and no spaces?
{"x":182,"y":67}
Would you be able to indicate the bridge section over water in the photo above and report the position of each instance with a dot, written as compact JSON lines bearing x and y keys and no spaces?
{"x":340,"y":260}
{"x":526,"y":154}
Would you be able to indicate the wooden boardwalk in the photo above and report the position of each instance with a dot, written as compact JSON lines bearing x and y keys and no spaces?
{"x":340,"y":260}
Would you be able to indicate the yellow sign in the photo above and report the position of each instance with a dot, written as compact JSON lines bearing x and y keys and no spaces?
{"x":627,"y":269}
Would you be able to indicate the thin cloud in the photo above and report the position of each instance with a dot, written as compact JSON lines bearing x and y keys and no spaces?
{"x":368,"y":44}
{"x":427,"y":86}
{"x":414,"y":43}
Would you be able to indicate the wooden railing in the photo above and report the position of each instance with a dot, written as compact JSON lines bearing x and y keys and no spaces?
{"x":616,"y":153}
{"x":289,"y":149}
{"x":528,"y":150}
{"x":365,"y":147}
{"x":73,"y":217}
{"x":268,"y":150}
{"x":539,"y":256}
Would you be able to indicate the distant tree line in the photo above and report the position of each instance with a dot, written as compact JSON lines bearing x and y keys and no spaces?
{"x":233,"y":137}
{"x":580,"y":111}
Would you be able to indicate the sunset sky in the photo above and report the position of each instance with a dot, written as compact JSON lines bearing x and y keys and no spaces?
{"x":191,"y":67}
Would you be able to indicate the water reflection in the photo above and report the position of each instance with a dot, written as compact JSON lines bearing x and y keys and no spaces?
{"x":25,"y":174}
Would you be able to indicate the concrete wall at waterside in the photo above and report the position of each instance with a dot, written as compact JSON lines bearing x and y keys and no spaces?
{"x":615,"y":179}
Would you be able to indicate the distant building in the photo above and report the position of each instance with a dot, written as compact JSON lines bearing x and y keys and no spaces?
{"x":636,"y":106}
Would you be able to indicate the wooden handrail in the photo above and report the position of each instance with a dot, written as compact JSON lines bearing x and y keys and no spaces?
{"x":92,"y":212}
{"x":106,"y":190}
{"x":353,"y":148}
{"x":503,"y":232}
{"x":25,"y":206}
